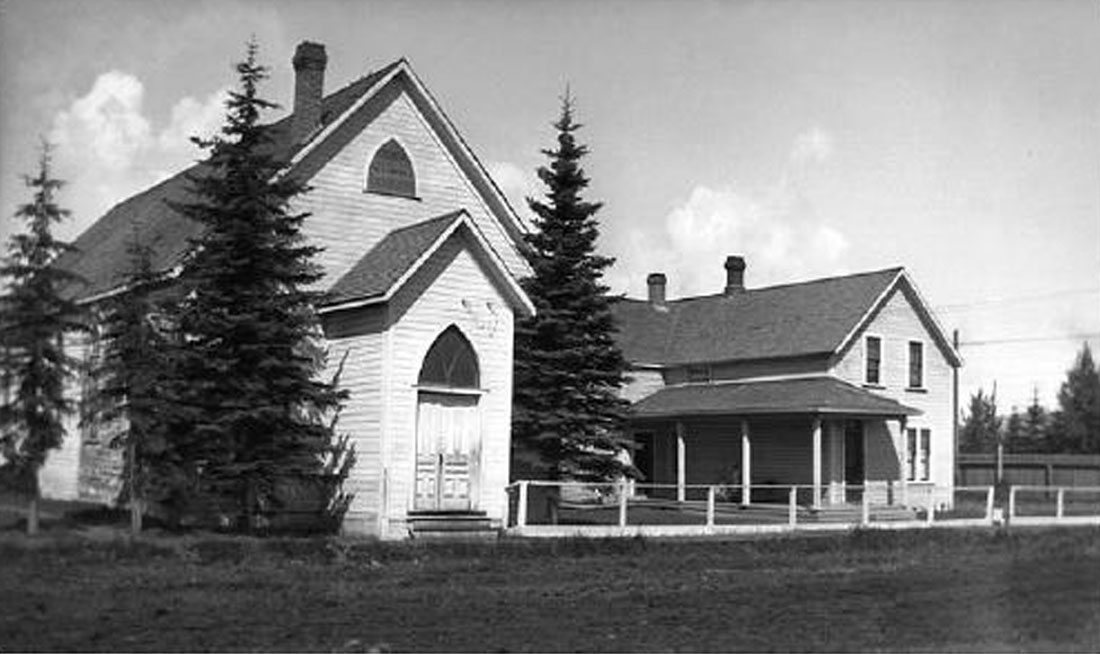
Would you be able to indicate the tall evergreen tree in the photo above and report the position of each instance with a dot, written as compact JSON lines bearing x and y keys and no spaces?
{"x":251,"y":413}
{"x":1035,"y":425}
{"x":35,"y":317}
{"x":1077,"y":423}
{"x":981,"y":426}
{"x":568,"y":417}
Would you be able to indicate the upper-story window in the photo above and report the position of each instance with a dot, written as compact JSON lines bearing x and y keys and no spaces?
{"x":391,"y":171}
{"x":701,"y":374}
{"x":873,"y":350}
{"x":916,"y":364}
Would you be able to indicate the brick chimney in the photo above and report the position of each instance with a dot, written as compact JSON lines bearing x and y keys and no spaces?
{"x":656,"y":282}
{"x":735,"y":274}
{"x":309,"y":87}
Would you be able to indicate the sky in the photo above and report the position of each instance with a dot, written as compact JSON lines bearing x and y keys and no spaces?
{"x":958,"y":139}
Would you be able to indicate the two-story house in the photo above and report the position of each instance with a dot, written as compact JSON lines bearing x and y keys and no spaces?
{"x":421,"y":253}
{"x":830,"y":384}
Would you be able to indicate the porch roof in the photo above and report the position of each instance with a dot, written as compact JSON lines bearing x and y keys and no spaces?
{"x":813,"y":395}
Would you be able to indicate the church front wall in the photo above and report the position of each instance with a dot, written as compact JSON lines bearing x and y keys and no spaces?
{"x":452,"y":288}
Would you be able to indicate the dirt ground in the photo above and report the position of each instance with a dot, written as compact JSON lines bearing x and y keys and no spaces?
{"x":1027,"y":590}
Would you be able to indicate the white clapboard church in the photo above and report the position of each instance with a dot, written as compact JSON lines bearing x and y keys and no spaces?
{"x":421,"y":255}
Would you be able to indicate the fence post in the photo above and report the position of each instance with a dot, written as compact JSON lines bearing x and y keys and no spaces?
{"x":865,"y":508}
{"x":792,"y":509}
{"x":710,"y":506}
{"x":622,"y":504}
{"x":930,"y":507}
{"x":1011,"y":502}
{"x":989,"y":505}
{"x":1061,"y":503}
{"x":521,"y":505}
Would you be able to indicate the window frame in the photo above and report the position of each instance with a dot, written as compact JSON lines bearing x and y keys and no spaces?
{"x":919,"y":386}
{"x":918,"y":454}
{"x":877,"y":383}
{"x":380,"y":186}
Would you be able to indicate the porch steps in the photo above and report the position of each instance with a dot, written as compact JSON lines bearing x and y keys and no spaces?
{"x":458,"y":526}
{"x":852,"y":513}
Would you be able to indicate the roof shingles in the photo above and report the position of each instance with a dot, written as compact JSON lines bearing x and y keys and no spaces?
{"x":809,"y":318}
{"x":815,"y":395}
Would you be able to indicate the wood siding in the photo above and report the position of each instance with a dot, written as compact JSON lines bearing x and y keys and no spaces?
{"x":59,"y":475}
{"x":641,"y":383}
{"x":898,"y":323}
{"x":736,"y":370}
{"x":453,"y":288}
{"x":359,"y":335}
{"x":347,"y":221}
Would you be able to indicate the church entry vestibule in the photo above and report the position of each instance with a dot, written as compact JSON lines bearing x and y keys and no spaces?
{"x":448,"y":425}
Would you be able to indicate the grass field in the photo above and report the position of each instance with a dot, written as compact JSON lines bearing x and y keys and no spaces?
{"x":952,"y":590}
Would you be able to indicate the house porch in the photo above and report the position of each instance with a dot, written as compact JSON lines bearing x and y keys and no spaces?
{"x":835,"y":439}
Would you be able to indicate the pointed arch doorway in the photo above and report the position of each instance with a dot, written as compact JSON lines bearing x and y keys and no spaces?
{"x":448,"y":425}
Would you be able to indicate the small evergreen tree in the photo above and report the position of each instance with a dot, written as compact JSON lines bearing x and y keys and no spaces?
{"x":981,"y":427}
{"x":1076,"y":426}
{"x":568,"y":417}
{"x":129,"y":380}
{"x":1014,"y":433}
{"x":1035,"y":425}
{"x":251,"y":415}
{"x":35,"y":317}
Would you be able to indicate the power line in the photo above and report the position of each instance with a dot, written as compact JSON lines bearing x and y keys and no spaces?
{"x":1019,"y":299}
{"x":1030,"y":339}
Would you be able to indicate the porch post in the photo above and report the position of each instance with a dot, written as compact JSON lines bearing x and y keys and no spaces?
{"x":681,"y":464}
{"x":746,"y":465}
{"x":817,"y":463}
{"x":903,"y":449}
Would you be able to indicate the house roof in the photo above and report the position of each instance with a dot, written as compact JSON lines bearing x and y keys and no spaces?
{"x":381,"y":272}
{"x":101,"y":257}
{"x":812,"y":395}
{"x":790,"y":320}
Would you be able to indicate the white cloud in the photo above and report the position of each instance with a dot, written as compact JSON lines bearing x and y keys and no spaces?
{"x":815,"y":145}
{"x":109,"y":149}
{"x":776,"y":230}
{"x":517,"y":185}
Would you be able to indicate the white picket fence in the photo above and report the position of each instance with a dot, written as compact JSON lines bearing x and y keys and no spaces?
{"x":556,"y":509}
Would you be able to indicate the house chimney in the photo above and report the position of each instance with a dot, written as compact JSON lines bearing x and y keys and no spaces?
{"x":309,"y":86}
{"x":735,"y":274}
{"x":656,"y":283}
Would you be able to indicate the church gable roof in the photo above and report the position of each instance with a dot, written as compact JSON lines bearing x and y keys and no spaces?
{"x":392,"y":261}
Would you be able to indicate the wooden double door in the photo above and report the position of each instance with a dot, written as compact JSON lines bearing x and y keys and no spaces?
{"x":448,"y":444}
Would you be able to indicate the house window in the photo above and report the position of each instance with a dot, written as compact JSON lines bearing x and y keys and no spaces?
{"x":918,"y":454}
{"x":699,"y":374}
{"x":391,"y":172}
{"x":916,"y":364}
{"x":451,"y":362}
{"x":874,"y":359}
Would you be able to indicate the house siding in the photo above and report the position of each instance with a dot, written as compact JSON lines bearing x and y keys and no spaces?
{"x":452,"y":288}
{"x":898,"y":323}
{"x":356,"y":338}
{"x":641,"y":383}
{"x":58,"y":478}
{"x":347,"y":221}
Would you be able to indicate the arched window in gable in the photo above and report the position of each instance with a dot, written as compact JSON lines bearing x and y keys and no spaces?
{"x":391,"y":171}
{"x":451,"y":362}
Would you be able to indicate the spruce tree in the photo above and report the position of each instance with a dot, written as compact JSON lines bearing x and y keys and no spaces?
{"x":1077,"y":423}
{"x":251,"y":416}
{"x":35,"y":317}
{"x":981,"y":428}
{"x":568,"y":417}
{"x":129,"y":380}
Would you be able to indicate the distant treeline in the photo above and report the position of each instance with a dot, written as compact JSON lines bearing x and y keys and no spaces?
{"x":1072,"y":428}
